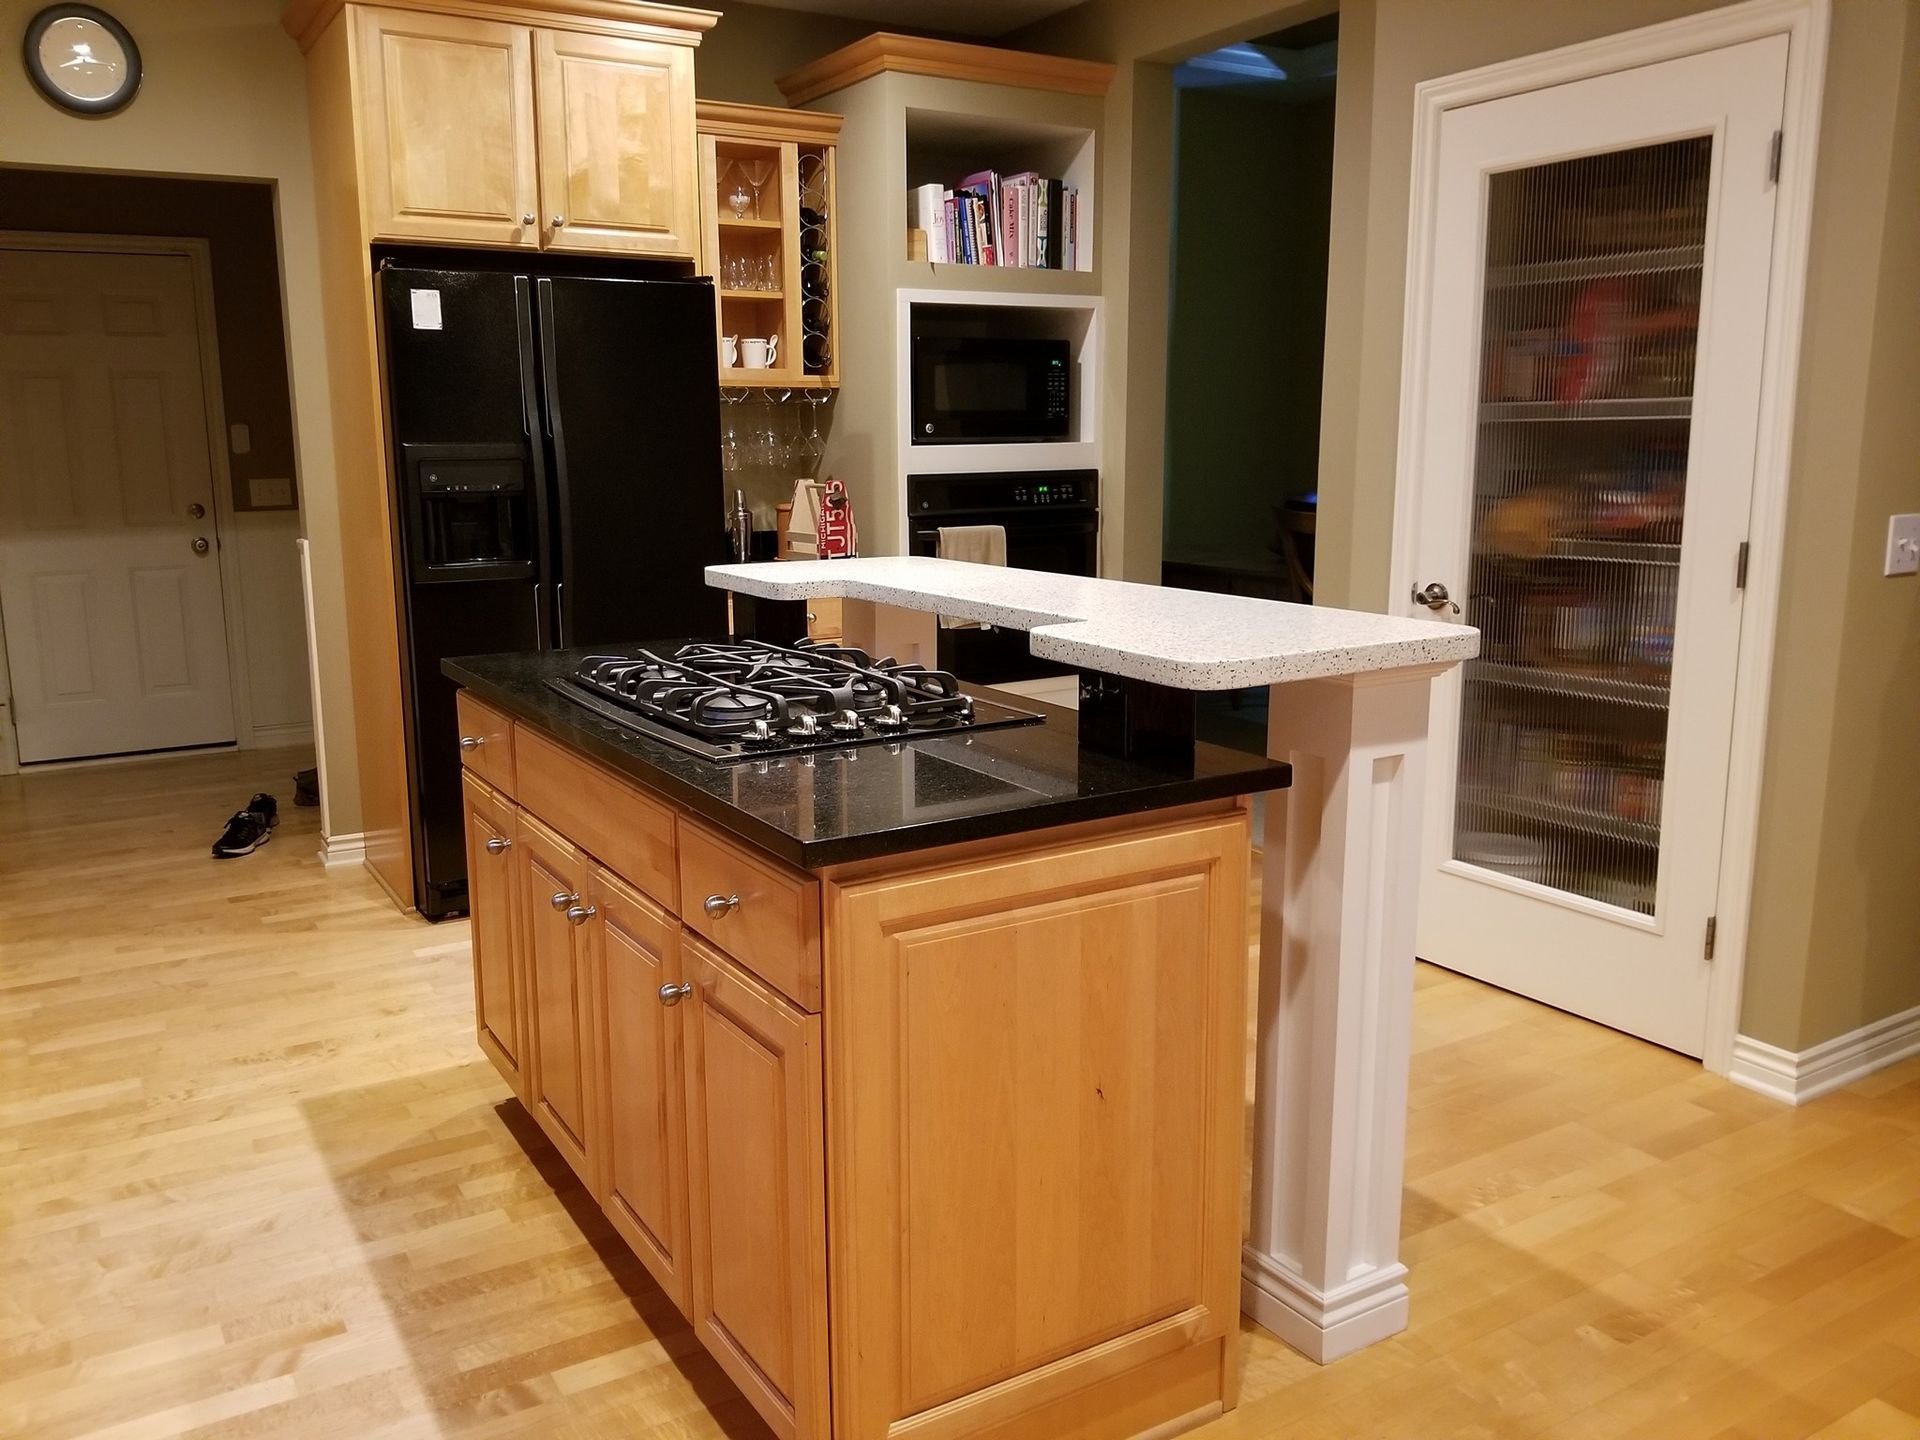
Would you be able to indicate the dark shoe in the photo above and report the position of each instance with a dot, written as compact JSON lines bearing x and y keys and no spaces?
{"x":266,"y":807}
{"x":306,"y":787}
{"x":246,"y":832}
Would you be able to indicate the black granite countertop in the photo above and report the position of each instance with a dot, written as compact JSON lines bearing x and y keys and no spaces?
{"x":856,"y":803}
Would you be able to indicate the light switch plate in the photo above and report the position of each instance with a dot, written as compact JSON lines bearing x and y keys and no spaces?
{"x":1903,"y":545}
{"x":268,"y":494}
{"x":240,"y":438}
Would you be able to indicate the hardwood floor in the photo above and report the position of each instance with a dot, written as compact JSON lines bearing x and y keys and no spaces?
{"x":257,"y":1181}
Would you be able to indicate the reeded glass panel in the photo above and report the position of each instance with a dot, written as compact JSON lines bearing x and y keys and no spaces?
{"x":1591,"y":316}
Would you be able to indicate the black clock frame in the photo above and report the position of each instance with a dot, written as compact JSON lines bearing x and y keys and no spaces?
{"x":106,"y":104}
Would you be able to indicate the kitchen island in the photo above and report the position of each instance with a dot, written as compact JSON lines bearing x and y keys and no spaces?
{"x":913,"y":1066}
{"x":912,"y":1070}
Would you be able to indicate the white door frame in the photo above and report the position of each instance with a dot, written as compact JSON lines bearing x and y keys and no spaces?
{"x":1804,"y":22}
{"x":199,"y":257}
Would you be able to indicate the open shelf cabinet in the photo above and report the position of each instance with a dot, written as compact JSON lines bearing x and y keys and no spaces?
{"x":768,"y":203}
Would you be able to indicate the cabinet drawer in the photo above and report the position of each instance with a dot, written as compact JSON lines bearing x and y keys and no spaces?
{"x":765,"y":916}
{"x":486,"y":742}
{"x":626,"y":831}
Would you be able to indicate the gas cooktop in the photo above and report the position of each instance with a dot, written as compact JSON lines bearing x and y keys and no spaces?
{"x":732,"y":700}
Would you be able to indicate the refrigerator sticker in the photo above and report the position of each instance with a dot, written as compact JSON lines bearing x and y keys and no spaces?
{"x":426,"y":309}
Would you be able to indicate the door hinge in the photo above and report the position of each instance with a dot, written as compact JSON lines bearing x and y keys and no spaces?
{"x":1713,"y":929}
{"x":1773,"y":156}
{"x":1740,"y":568}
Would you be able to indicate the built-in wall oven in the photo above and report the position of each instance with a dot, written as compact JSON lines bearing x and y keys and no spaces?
{"x":1052,"y":520}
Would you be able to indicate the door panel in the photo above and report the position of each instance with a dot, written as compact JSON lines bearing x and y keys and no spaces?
{"x":757,"y":1191}
{"x":116,"y":627}
{"x":616,"y":144}
{"x":561,"y":1004}
{"x":498,"y":986}
{"x":447,"y":128}
{"x":638,"y":953}
{"x":1601,"y":267}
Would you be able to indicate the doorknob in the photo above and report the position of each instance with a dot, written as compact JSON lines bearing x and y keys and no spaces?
{"x":200,"y":546}
{"x":1435,"y":597}
{"x":196,"y":511}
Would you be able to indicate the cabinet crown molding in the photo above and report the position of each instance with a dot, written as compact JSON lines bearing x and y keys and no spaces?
{"x":944,"y":60}
{"x":307,"y":20}
{"x":766,"y":122}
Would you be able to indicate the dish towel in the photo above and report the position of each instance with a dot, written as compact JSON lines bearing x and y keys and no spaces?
{"x":976,"y":544}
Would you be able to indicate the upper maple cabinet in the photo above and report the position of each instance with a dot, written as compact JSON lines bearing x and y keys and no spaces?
{"x":474,"y":127}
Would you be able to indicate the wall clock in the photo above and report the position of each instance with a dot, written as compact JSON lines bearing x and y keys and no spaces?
{"x":82,"y":58}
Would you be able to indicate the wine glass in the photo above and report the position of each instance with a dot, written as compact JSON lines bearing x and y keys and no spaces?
{"x":739,"y":198}
{"x":758,"y":171}
{"x":812,"y":447}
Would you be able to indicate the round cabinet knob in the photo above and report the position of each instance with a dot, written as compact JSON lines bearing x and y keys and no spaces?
{"x":580,"y":914}
{"x":472,"y":742}
{"x":558,"y":221}
{"x":527,"y":219}
{"x":718,"y":905}
{"x":498,"y":845}
{"x":196,"y":511}
{"x":200,"y":546}
{"x":674,"y":994}
{"x":561,"y":899}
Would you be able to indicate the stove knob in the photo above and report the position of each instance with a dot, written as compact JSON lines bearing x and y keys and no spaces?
{"x":891,"y":718}
{"x":806,"y":726}
{"x":759,"y":734}
{"x":847,"y":722}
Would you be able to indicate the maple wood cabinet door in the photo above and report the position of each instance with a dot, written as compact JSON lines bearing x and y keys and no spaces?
{"x":637,"y":954}
{"x":561,"y":1089}
{"x":498,"y":1013}
{"x":1036,"y":1065}
{"x":757,"y":1190}
{"x":617,"y":148}
{"x":447,"y":128}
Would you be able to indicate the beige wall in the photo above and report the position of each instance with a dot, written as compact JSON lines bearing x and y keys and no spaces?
{"x":225,"y":95}
{"x":1836,"y":934}
{"x":754,"y":45}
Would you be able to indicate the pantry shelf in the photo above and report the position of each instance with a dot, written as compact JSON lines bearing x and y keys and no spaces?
{"x":1662,"y":407}
{"x":1568,"y":682}
{"x":1570,"y":818}
{"x":1598,"y":267}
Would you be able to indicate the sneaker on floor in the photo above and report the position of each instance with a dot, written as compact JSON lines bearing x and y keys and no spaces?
{"x":246,"y":832}
{"x":266,"y":807}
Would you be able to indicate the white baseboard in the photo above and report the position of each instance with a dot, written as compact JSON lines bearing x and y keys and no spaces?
{"x":1322,"y":1326}
{"x":275,"y":737}
{"x":1797,"y":1076}
{"x":343,"y":849}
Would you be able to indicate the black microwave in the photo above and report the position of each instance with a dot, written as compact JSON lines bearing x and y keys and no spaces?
{"x":970,"y":390}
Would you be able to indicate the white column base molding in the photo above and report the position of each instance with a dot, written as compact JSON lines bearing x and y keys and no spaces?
{"x":275,"y":737}
{"x":1797,"y":1076}
{"x":1323,"y":1327}
{"x":338,"y":850}
{"x":1321,"y":1268}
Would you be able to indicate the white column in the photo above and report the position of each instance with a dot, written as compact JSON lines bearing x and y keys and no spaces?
{"x":1321,"y":1268}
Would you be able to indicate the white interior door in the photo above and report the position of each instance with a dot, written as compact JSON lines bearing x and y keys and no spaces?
{"x":1592,"y":375}
{"x":109,"y":568}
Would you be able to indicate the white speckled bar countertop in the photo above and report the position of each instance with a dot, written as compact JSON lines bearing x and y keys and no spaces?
{"x":1189,"y":639}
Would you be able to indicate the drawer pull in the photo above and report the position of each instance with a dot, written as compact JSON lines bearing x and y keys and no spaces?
{"x":498,"y":845}
{"x":580,"y":914}
{"x":472,"y":742}
{"x":561,"y":899}
{"x":718,"y":905}
{"x":674,"y":994}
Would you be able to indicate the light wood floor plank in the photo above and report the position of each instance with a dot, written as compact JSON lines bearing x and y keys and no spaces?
{"x":256,"y":1181}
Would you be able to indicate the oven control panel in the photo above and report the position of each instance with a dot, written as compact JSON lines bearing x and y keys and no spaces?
{"x":963,"y":494}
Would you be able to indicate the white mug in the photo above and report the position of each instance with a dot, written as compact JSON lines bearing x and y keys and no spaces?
{"x":757,"y":354}
{"x":730,"y":349}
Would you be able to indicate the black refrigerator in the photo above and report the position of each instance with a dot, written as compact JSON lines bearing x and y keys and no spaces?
{"x":556,"y":482}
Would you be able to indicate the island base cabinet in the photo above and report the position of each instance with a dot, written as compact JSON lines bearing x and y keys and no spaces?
{"x":1036,"y":1074}
{"x":564,"y":1053}
{"x":637,"y":959}
{"x":757,"y":1190}
{"x":497,"y":990}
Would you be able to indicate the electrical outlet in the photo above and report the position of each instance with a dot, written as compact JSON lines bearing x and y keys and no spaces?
{"x":1903,"y":545}
{"x":270,"y":494}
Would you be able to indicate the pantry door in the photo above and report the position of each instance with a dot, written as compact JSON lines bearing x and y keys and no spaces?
{"x":1589,"y":393}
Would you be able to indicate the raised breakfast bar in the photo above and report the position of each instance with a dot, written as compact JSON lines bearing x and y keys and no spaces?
{"x":906,"y":1049}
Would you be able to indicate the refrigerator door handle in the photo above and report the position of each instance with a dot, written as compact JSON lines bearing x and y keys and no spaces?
{"x":529,"y":405}
{"x":556,"y":428}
